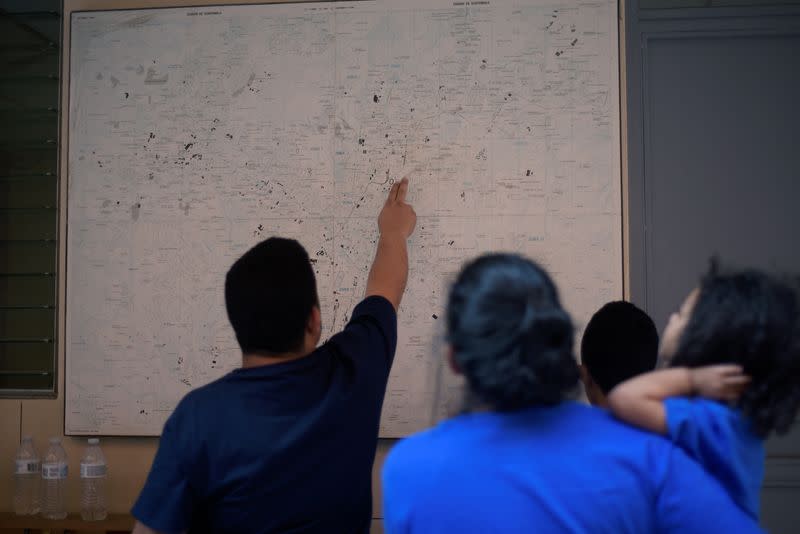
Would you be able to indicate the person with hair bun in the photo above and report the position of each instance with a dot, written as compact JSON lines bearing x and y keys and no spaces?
{"x":525,"y":456}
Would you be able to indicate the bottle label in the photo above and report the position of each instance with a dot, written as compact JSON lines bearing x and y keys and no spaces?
{"x":54,"y":471}
{"x":93,"y":470}
{"x":27,"y":467}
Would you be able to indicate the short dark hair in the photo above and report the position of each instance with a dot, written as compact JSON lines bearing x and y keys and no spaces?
{"x":752,"y":319}
{"x":620,"y":342}
{"x":269,"y":294}
{"x":510,"y":336}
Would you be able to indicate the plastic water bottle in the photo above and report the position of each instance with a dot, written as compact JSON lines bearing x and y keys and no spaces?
{"x":93,"y":482}
{"x":54,"y":478}
{"x":27,"y":468}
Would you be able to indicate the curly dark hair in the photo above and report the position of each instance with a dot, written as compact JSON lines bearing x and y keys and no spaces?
{"x":752,"y":319}
{"x":510,"y":336}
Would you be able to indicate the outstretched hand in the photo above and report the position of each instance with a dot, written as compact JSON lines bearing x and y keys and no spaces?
{"x":720,"y":382}
{"x":397,"y":216}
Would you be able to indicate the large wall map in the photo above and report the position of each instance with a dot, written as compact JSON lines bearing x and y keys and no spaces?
{"x":194,"y":133}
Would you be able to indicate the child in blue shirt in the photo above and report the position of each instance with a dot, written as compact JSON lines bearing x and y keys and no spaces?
{"x":733,"y":377}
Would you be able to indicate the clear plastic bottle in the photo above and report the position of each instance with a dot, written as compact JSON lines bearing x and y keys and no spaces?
{"x":93,"y":482}
{"x":54,"y":479}
{"x":27,"y":472}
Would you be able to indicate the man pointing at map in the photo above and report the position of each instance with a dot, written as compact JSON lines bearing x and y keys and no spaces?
{"x":285,"y":443}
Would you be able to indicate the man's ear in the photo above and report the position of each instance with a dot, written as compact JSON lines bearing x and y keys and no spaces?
{"x":451,"y":360}
{"x":314,"y":324}
{"x":594,"y":394}
{"x":586,"y":378}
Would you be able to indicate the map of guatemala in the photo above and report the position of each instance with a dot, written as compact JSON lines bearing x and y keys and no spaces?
{"x":195,"y":133}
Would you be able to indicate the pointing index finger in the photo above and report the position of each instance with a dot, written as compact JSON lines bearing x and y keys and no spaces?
{"x":393,"y":192}
{"x":402,"y":190}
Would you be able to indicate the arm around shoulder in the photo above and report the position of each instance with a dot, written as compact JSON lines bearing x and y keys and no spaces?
{"x":640,"y":400}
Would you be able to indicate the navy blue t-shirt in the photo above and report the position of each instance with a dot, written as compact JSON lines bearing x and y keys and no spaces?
{"x":287,"y":447}
{"x":568,"y":468}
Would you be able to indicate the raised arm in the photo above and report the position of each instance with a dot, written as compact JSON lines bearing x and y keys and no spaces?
{"x":640,"y":400}
{"x":396,"y":223}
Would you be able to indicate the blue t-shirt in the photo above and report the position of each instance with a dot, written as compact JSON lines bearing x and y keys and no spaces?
{"x":568,"y":468}
{"x":721,"y":440}
{"x":287,"y":447}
